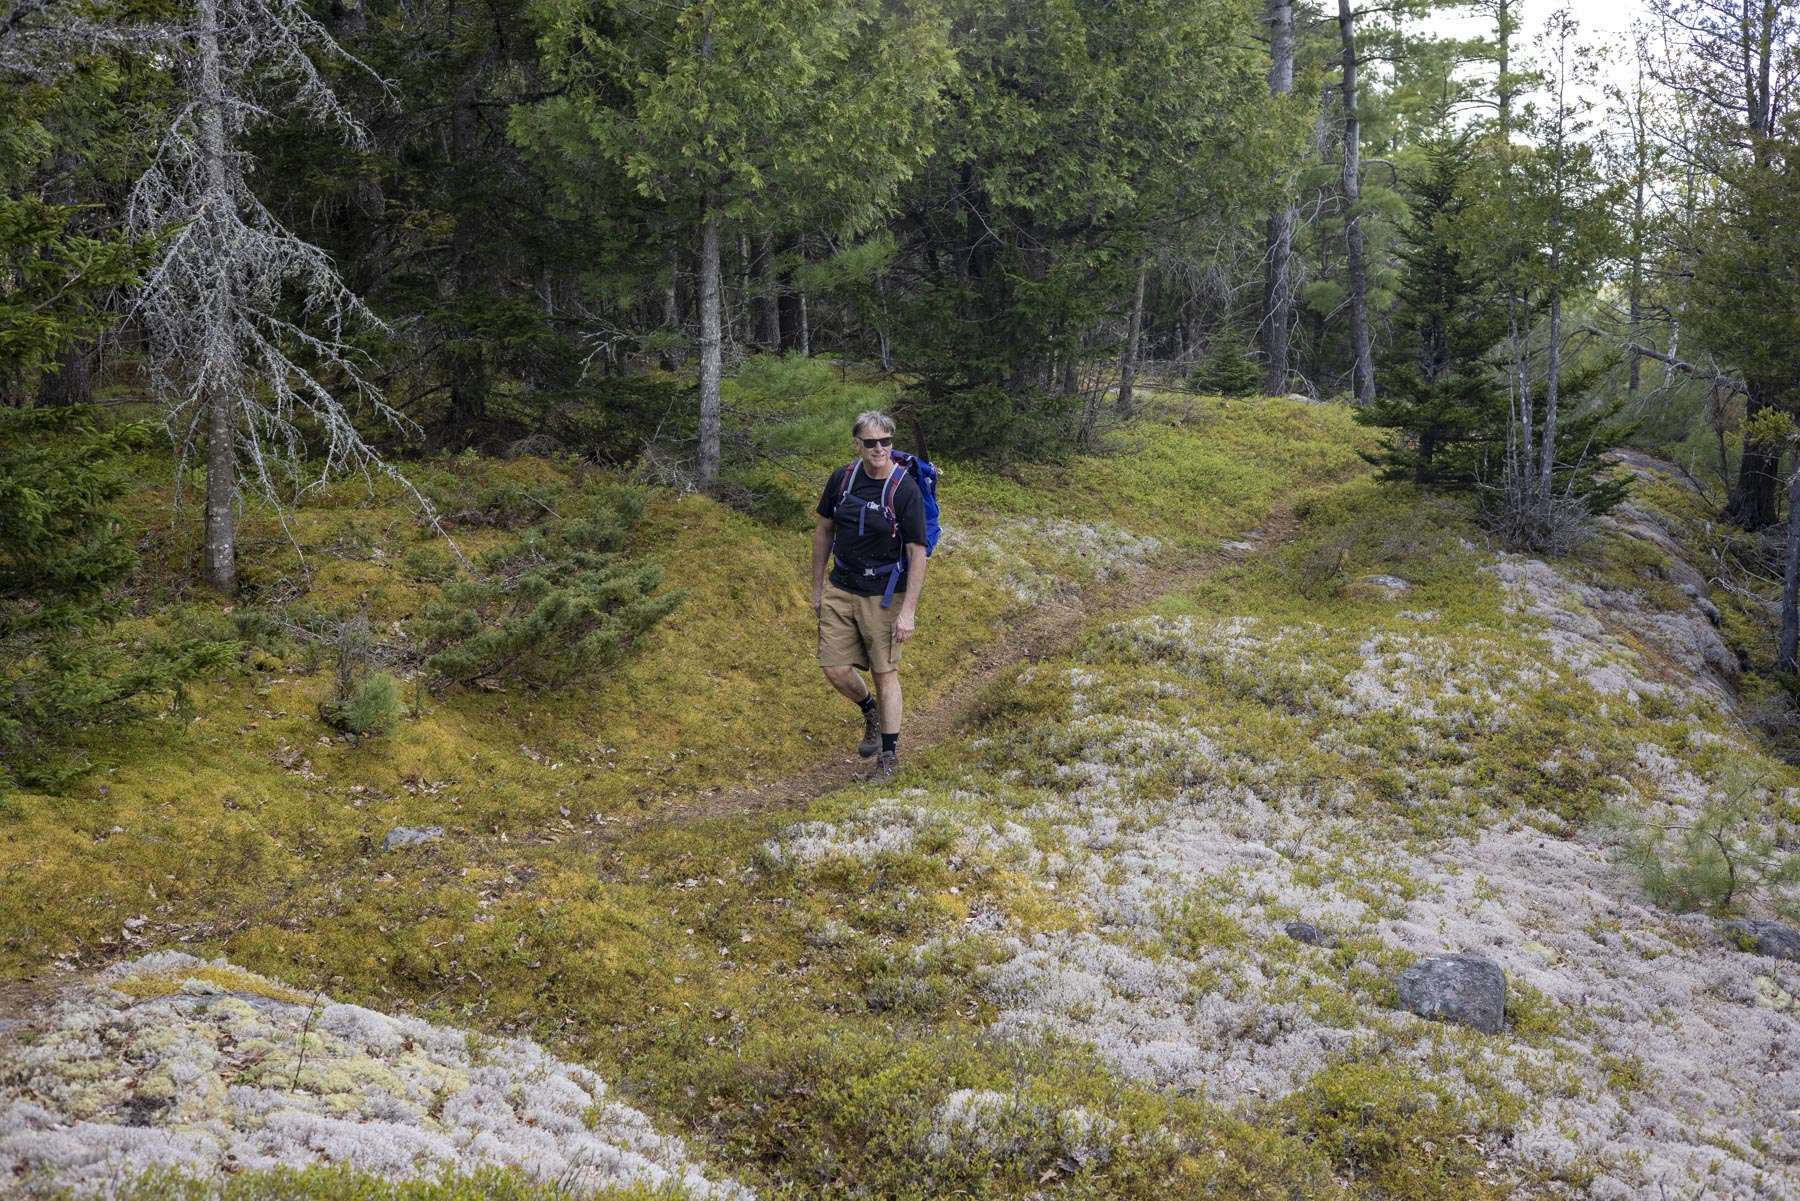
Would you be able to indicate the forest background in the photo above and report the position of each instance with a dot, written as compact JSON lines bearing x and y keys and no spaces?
{"x":309,"y":239}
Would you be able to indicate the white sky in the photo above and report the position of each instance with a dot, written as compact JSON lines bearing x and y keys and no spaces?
{"x":1604,"y":23}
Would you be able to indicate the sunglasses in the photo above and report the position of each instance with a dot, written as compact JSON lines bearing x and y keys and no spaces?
{"x":872,"y":443}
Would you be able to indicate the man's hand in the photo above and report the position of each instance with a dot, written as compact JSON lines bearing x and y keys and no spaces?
{"x":818,"y":600}
{"x":903,"y":626}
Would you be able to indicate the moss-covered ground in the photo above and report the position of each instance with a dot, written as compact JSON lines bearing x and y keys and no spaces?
{"x":814,"y":1012}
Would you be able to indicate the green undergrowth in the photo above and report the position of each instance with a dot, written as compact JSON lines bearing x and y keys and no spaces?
{"x":340,"y":1184}
{"x":238,"y":808}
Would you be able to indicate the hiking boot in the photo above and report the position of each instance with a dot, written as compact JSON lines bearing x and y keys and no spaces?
{"x":886,"y":764}
{"x":871,"y":733}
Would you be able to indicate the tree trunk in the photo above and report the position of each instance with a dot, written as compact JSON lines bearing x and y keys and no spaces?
{"x":805,"y":330}
{"x":221,"y":492}
{"x":672,"y":310}
{"x":1790,"y":582}
{"x":468,"y":383}
{"x":221,"y":425}
{"x":1363,"y":375}
{"x":711,"y":366}
{"x":887,"y":349}
{"x":1552,"y":384}
{"x":746,"y":294}
{"x":1277,"y":286}
{"x":768,"y":311}
{"x":72,"y":383}
{"x":1129,"y":360}
{"x":1752,"y":504}
{"x":1640,"y":139}
{"x":347,"y":19}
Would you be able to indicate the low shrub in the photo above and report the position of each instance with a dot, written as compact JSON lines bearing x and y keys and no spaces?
{"x":1229,"y":369}
{"x":372,"y":708}
{"x":559,"y":604}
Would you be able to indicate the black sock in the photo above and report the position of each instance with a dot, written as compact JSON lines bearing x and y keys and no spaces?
{"x":867,"y":703}
{"x":890,"y":743}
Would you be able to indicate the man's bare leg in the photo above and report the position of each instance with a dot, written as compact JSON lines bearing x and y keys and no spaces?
{"x":849,"y":683}
{"x":887,"y":695}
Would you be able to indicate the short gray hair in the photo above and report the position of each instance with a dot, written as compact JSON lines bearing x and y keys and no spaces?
{"x":875,"y":418}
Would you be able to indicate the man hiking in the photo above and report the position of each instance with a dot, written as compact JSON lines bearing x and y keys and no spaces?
{"x":872,"y":522}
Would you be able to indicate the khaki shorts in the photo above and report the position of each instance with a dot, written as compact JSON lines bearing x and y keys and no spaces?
{"x":855,"y":631}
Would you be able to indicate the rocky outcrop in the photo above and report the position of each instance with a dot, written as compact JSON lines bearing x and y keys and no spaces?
{"x":171,"y":1064}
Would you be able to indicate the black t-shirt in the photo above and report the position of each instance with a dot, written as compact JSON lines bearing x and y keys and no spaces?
{"x":860,"y":561}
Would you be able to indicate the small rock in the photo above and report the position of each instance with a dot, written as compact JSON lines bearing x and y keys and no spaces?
{"x":1765,"y":938}
{"x":410,"y":836}
{"x":1309,"y":934}
{"x":1467,"y":989}
{"x":1392,"y":584}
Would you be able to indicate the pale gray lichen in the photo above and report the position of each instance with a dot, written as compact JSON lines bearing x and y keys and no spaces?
{"x":168,"y":1063}
{"x":1182,"y":847}
{"x":1064,"y":554}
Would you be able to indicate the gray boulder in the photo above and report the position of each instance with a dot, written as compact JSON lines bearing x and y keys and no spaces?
{"x":1309,"y":934}
{"x":1467,"y":989}
{"x":410,"y":836}
{"x":1765,"y":938}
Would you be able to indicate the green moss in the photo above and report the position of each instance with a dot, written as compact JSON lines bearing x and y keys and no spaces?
{"x":1533,"y":1015}
{"x":343,"y":1184}
{"x":1384,"y":1124}
{"x":148,"y":985}
{"x":803,"y":1024}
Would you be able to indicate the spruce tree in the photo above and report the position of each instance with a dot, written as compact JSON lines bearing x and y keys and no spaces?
{"x":63,"y":556}
{"x":1439,"y":394}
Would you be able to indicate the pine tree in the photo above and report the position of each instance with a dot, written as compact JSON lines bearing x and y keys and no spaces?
{"x":553,"y":607}
{"x":746,"y":114}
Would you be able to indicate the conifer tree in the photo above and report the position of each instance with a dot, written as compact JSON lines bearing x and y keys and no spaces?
{"x":63,"y":555}
{"x":746,"y":113}
{"x":1439,"y":392}
{"x":236,"y":362}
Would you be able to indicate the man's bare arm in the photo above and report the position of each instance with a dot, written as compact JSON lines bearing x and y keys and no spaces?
{"x":915,"y":584}
{"x":822,"y":532}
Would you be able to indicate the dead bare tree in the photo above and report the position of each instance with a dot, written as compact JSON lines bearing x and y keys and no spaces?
{"x":247,"y":325}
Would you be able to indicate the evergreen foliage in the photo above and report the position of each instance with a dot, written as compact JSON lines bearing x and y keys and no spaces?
{"x":371,"y":708}
{"x":1724,"y":860}
{"x":62,"y":145}
{"x":1228,"y":369}
{"x":364,"y":703}
{"x":1583,"y":484}
{"x":63,"y":557}
{"x":58,"y":279}
{"x":558,"y":605}
{"x":1066,"y":149}
{"x":1440,"y":393}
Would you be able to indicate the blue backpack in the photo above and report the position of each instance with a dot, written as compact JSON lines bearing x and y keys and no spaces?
{"x":926,"y":476}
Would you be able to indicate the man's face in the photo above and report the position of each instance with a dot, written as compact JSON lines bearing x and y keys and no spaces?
{"x":875,"y":458}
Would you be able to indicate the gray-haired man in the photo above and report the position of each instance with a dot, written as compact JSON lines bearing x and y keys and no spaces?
{"x":872,"y":523}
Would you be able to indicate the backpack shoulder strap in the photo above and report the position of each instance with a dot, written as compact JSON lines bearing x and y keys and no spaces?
{"x":891,"y":489}
{"x":850,"y":470}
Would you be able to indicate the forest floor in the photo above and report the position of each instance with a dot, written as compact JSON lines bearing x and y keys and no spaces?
{"x":1050,"y":959}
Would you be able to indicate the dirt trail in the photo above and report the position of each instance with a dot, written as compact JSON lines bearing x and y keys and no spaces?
{"x":1047,"y":630}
